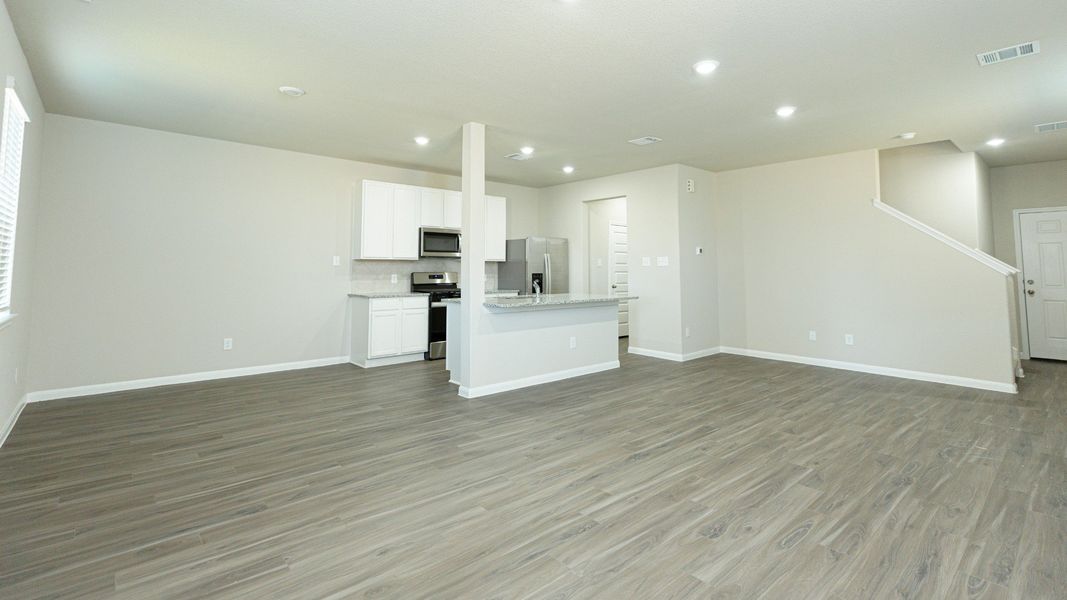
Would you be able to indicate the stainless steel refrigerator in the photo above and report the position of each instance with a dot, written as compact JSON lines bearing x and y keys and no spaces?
{"x":540,"y":259}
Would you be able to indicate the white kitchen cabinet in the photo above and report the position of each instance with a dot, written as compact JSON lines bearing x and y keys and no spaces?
{"x":388,"y":331}
{"x":406,"y":223}
{"x":496,"y":226}
{"x":384,"y":333}
{"x":386,"y":222}
{"x":387,"y":218}
{"x":414,"y":330}
{"x":432,"y":207}
{"x":453,"y":210}
{"x":374,"y":214}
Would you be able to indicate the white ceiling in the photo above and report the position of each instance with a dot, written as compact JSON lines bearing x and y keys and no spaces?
{"x":573,"y":79}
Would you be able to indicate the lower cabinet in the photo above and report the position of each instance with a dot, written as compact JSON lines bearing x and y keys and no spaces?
{"x":388,"y":330}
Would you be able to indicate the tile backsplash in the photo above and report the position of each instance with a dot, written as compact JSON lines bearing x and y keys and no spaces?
{"x":376,"y":275}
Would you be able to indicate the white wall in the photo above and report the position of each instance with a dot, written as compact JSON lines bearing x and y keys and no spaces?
{"x":942,"y":187}
{"x":155,"y":246}
{"x":14,"y":338}
{"x":814,"y":254}
{"x":652,"y":215}
{"x":1036,"y":185}
{"x":698,"y":227}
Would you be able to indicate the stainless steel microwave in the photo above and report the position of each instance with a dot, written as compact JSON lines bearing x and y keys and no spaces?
{"x":439,"y":242}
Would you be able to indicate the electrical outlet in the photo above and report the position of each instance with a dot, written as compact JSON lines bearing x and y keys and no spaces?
{"x":392,"y":278}
{"x":574,"y":342}
{"x":646,"y":261}
{"x":227,"y":343}
{"x":812,"y":336}
{"x":600,"y":262}
{"x":849,"y":340}
{"x":337,"y":261}
{"x":690,"y":186}
{"x":686,"y":332}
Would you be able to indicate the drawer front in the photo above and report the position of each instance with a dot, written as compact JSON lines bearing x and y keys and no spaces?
{"x":385,"y":303}
{"x":416,"y":302}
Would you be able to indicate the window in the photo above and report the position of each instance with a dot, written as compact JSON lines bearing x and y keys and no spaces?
{"x":14,"y":126}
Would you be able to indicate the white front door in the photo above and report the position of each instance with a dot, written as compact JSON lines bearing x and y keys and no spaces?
{"x":1044,"y":264}
{"x":619,"y":273}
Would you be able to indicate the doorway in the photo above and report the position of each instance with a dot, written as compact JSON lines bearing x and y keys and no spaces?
{"x":608,"y":256}
{"x":1042,"y":250}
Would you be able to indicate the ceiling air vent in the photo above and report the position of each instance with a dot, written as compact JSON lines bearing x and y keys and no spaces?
{"x":645,"y":141}
{"x":518,"y":156}
{"x":1050,"y":127}
{"x":1010,"y":53}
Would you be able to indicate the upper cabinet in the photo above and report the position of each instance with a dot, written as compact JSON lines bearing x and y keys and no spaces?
{"x":388,"y":217}
{"x":386,"y":223}
{"x":453,"y":210}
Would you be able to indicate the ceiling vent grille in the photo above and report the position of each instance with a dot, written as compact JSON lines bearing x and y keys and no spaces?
{"x":1050,"y":127}
{"x":1010,"y":53}
{"x":518,"y":156}
{"x":645,"y":141}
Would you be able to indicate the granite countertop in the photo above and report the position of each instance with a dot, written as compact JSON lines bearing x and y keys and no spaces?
{"x":384,"y":294}
{"x":546,"y":301}
{"x":399,"y":294}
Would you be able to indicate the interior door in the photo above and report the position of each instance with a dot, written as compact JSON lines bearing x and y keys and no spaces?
{"x":1044,"y":264}
{"x":619,"y":273}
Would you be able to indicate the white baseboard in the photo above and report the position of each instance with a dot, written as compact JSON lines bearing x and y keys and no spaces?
{"x":980,"y":384}
{"x":9,"y":426}
{"x":515,"y":384}
{"x":370,"y":363}
{"x":674,"y":356}
{"x":137,"y":384}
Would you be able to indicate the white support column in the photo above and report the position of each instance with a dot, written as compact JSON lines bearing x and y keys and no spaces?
{"x":472,"y":262}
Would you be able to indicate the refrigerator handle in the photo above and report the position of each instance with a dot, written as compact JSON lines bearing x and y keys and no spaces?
{"x":548,"y":273}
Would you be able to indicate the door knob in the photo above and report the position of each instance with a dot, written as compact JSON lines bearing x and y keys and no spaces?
{"x":1029,"y":282}
{"x":613,"y":286}
{"x":1030,"y":292}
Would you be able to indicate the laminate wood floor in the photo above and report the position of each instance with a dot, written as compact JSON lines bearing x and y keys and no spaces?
{"x":725,"y":477}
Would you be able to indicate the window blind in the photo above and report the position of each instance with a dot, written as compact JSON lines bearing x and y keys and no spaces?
{"x":14,"y":127}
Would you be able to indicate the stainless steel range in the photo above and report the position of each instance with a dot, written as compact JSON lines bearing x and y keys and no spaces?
{"x":439,"y":285}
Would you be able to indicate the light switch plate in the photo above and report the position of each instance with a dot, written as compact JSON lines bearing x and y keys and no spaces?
{"x":662,"y":261}
{"x":337,"y":261}
{"x":812,"y":336}
{"x":392,"y":278}
{"x":700,"y":250}
{"x":646,"y":261}
{"x":849,"y":340}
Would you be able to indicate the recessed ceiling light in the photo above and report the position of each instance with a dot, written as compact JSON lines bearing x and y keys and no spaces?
{"x":906,"y":136}
{"x":995,"y":142}
{"x":785,"y":111}
{"x":706,"y":67}
{"x":289,"y":90}
{"x":568,"y":169}
{"x":422,"y":140}
{"x":527,"y":150}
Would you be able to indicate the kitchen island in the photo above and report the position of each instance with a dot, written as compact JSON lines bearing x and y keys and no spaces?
{"x":529,"y":340}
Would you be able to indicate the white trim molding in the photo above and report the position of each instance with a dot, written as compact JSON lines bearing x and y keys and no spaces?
{"x":10,"y":425}
{"x":138,"y":384}
{"x":370,"y":363}
{"x":997,"y":265}
{"x":674,"y":356}
{"x":981,"y":384}
{"x":514,"y":384}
